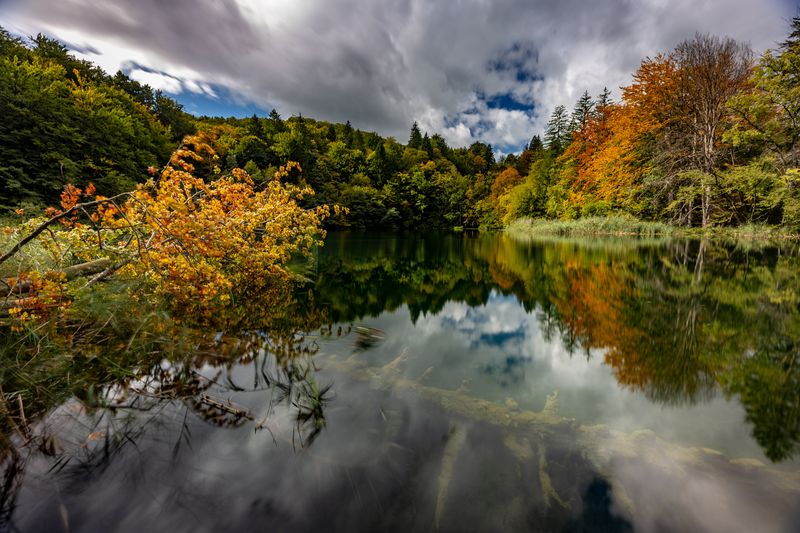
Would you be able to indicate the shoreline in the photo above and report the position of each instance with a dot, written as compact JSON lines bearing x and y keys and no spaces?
{"x":629,"y":227}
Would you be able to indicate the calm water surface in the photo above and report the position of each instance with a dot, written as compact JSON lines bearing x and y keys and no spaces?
{"x":454,"y":382}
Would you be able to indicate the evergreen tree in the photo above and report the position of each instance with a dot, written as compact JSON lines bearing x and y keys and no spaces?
{"x":793,"y":40}
{"x":347,"y":136}
{"x":535,"y":144}
{"x":415,"y":139}
{"x":275,"y":123}
{"x":603,"y":100}
{"x":426,"y":145}
{"x":556,"y":136}
{"x":438,"y":143}
{"x":254,"y":127}
{"x":378,"y":165}
{"x":330,"y":134}
{"x":582,"y":112}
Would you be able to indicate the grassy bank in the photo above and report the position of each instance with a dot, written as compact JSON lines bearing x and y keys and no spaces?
{"x":621,"y":226}
{"x":589,"y":226}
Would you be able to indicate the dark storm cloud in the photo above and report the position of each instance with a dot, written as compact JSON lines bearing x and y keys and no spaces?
{"x":384,"y":63}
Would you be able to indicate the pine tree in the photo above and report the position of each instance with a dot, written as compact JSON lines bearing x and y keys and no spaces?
{"x":254,"y":127}
{"x":556,"y":136}
{"x":603,"y":100}
{"x":330,"y":133}
{"x":347,"y":136}
{"x":426,"y":145}
{"x":415,"y":140}
{"x":535,"y":144}
{"x":582,"y":112}
{"x":275,"y":123}
{"x":794,"y":35}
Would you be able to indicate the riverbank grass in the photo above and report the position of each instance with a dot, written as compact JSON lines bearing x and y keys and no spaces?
{"x":615,"y":225}
{"x":625,"y":226}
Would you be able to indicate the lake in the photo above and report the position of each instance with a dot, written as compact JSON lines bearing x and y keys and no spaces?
{"x":441,"y":382}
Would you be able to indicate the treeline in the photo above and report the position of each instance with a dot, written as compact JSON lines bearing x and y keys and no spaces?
{"x":705,"y":135}
{"x":64,"y":120}
{"x":382,"y":182}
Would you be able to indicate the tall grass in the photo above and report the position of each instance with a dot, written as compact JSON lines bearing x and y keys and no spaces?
{"x":622,"y":226}
{"x":613,"y":225}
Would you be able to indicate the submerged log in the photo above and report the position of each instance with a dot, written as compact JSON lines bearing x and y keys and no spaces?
{"x":527,"y":434}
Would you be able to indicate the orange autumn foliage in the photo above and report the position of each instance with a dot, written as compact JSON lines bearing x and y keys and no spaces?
{"x":605,"y":160}
{"x":198,"y":243}
{"x":593,"y":308}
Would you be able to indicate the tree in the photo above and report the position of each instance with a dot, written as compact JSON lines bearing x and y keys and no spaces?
{"x":378,"y":165}
{"x":582,"y":112}
{"x":56,"y":131}
{"x":711,"y":71}
{"x":425,"y":146}
{"x":347,"y":135}
{"x":556,"y":136}
{"x":143,"y":94}
{"x":415,"y":139}
{"x":483,"y":156}
{"x":254,"y":127}
{"x":438,"y":143}
{"x":171,"y":114}
{"x":603,"y":100}
{"x":196,"y":242}
{"x":606,"y":163}
{"x":769,"y":112}
{"x":274,"y":123}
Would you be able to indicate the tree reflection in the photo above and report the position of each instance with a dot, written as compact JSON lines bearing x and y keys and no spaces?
{"x":87,"y":390}
{"x":676,"y":320}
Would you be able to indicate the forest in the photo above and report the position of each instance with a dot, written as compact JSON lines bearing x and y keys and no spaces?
{"x":705,"y":135}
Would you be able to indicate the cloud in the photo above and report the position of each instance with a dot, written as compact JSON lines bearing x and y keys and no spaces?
{"x":385,"y":63}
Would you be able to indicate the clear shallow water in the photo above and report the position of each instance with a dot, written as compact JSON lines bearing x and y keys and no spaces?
{"x":422,"y":403}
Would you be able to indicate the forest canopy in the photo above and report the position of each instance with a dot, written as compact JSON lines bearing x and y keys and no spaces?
{"x":705,"y":135}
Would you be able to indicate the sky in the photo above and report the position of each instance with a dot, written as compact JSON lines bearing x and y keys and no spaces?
{"x":487,"y":70}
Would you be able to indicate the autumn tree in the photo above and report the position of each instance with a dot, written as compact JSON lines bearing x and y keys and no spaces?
{"x":199,"y":243}
{"x":711,"y":71}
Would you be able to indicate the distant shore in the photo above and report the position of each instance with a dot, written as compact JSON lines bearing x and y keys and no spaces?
{"x":622,"y":226}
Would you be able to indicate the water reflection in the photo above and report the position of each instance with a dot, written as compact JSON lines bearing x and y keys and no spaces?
{"x":439,"y":382}
{"x":88,"y":394}
{"x":680,"y":322}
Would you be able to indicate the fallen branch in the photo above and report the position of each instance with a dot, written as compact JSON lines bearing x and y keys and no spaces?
{"x":23,"y":286}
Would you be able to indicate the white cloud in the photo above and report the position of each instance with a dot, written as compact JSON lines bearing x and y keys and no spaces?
{"x":157,"y":81}
{"x":386,"y":63}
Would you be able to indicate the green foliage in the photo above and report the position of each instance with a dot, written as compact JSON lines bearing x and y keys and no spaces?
{"x":68,"y":122}
{"x":65,"y":121}
{"x":415,"y":139}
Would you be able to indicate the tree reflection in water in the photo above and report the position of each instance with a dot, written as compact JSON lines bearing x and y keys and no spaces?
{"x":678,"y":322}
{"x":87,"y":390}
